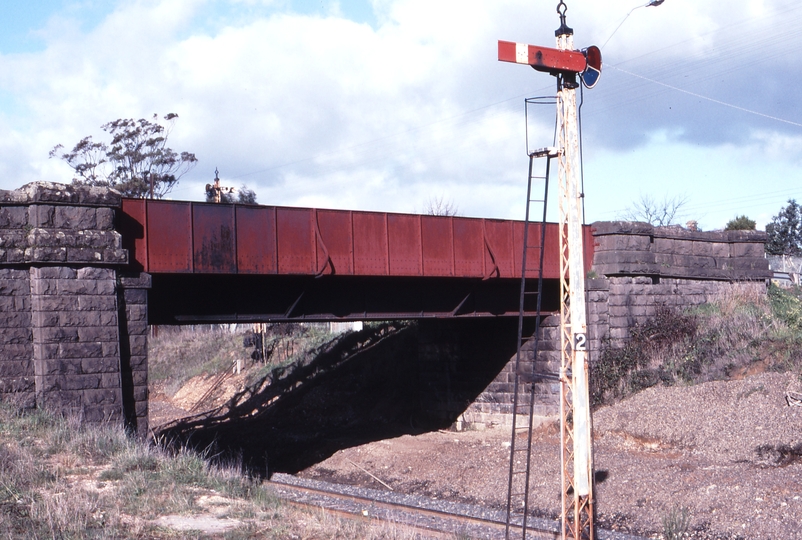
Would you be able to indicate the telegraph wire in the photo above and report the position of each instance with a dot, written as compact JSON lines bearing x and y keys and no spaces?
{"x":700,"y":96}
{"x":735,"y":204}
{"x":484,"y":107}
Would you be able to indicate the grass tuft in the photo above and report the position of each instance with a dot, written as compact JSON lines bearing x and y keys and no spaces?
{"x":676,"y":523}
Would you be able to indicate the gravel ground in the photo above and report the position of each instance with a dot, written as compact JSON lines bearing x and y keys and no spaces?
{"x":730,"y":452}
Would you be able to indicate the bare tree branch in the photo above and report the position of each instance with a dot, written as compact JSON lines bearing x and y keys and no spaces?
{"x":659,"y":213}
{"x":439,"y":206}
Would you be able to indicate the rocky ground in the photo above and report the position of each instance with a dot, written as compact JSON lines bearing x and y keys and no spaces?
{"x":729,"y":452}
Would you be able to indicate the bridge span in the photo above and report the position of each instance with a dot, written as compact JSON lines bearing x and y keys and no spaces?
{"x":83,"y":273}
{"x":239,"y":263}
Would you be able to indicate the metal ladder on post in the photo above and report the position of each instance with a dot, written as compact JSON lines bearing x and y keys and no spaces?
{"x":523,"y":409}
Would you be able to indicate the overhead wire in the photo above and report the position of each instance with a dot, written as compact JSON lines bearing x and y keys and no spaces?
{"x":623,"y":93}
{"x":735,"y":204}
{"x":707,"y":98}
{"x":625,"y":20}
{"x":697,"y":70}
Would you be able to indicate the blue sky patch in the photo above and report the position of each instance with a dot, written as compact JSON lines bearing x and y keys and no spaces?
{"x":22,"y":21}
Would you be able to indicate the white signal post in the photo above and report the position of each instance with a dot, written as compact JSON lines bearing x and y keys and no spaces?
{"x":577,"y":514}
{"x":577,"y":445}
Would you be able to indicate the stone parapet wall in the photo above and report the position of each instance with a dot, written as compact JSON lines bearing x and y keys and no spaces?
{"x":37,"y":227}
{"x":647,"y":267}
{"x":639,"y":249}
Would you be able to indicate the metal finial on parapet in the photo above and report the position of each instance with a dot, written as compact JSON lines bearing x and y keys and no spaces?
{"x":564,"y":29}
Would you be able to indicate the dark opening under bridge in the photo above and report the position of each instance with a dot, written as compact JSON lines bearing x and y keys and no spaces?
{"x":239,"y":263}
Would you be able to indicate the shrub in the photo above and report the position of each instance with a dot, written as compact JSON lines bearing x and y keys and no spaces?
{"x":641,"y":362}
{"x":738,"y":331}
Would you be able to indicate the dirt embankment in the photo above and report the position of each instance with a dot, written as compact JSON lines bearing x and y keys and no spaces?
{"x":731,"y":452}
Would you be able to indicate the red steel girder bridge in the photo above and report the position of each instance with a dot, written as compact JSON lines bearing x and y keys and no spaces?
{"x":247,"y":263}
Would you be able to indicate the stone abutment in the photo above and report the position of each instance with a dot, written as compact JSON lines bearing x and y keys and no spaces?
{"x":73,"y":320}
{"x":637,"y":269}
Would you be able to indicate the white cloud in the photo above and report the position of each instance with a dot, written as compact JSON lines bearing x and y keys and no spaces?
{"x":321,"y":110}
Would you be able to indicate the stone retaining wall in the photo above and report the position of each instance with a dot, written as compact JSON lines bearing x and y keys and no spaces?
{"x":638,"y":268}
{"x":16,"y":345}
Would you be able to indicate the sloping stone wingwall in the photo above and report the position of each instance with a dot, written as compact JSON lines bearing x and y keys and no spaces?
{"x":638,"y":268}
{"x":67,"y":322}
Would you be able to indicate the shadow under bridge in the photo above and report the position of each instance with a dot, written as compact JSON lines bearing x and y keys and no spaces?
{"x":388,"y":380}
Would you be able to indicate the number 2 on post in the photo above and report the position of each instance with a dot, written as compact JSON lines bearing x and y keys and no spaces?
{"x":580,"y":342}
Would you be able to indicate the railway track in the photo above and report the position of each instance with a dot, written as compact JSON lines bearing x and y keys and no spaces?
{"x":432,"y":518}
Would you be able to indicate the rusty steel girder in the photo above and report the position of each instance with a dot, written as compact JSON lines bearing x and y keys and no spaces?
{"x":178,"y":237}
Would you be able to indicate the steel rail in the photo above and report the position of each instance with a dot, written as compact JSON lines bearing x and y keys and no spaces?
{"x":437,"y":518}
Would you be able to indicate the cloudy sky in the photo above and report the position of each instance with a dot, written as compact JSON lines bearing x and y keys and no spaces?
{"x":389,"y":104}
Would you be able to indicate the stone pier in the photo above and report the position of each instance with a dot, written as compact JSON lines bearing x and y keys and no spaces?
{"x":73,"y":320}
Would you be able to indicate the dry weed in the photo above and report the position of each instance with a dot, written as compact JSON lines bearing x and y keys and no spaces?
{"x":737,"y":333}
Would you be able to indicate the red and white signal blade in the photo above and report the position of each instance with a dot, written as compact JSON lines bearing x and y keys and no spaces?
{"x":542,"y":58}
